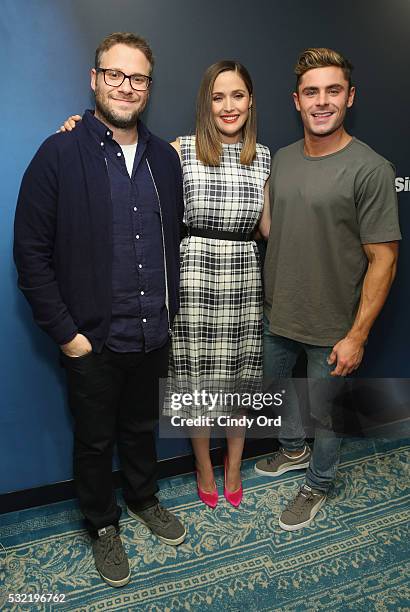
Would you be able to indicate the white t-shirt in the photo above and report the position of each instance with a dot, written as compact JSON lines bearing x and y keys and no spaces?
{"x":129,"y":155}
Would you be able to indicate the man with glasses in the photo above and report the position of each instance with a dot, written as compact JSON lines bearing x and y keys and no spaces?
{"x":97,"y":253}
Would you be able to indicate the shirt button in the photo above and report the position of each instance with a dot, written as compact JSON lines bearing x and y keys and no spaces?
{"x":108,"y":133}
{"x":118,"y":154}
{"x":135,"y":209}
{"x":144,"y":320}
{"x":102,"y":144}
{"x":140,"y":265}
{"x":142,"y":292}
{"x":137,"y":236}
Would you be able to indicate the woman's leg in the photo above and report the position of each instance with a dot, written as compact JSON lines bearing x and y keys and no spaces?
{"x":235,"y":440}
{"x":200,"y":445}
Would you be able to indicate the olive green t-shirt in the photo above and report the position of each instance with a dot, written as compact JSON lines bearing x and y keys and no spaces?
{"x":323,"y":210}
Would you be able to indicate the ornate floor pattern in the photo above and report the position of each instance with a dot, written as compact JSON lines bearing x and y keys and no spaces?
{"x":355,"y":556}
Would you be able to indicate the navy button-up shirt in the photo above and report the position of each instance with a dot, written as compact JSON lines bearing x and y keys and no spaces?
{"x":139,"y":319}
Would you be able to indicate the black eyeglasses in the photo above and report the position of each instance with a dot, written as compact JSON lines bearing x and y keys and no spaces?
{"x":115,"y":78}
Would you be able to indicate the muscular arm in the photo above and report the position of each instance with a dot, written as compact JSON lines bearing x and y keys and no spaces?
{"x":347,"y":354}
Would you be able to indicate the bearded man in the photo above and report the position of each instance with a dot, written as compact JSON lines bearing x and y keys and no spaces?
{"x":97,"y":253}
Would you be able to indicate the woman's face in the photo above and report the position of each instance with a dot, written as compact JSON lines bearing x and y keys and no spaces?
{"x":230,"y":105}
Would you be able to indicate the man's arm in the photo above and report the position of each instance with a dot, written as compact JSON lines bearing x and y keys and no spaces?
{"x":34,"y":242}
{"x":348,"y":352}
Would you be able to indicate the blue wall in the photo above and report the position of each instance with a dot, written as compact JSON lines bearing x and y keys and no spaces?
{"x":47,"y":49}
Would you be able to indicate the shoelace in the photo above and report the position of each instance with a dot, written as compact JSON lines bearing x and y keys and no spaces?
{"x":296,"y":505}
{"x":161,"y":514}
{"x":275,"y":456}
{"x":113,"y":551}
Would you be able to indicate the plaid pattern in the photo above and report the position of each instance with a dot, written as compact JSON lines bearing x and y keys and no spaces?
{"x":217,"y":341}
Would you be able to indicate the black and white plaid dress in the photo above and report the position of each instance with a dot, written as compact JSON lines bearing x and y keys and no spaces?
{"x":217,"y":333}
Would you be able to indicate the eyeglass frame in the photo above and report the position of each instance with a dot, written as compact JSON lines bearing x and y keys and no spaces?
{"x":126,"y":76}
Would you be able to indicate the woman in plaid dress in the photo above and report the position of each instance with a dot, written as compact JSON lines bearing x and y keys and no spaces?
{"x":217,"y":334}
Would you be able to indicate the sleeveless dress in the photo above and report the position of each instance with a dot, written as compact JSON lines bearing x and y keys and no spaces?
{"x":217,"y":333}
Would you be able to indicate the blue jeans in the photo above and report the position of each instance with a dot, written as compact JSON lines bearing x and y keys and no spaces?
{"x":280,"y":355}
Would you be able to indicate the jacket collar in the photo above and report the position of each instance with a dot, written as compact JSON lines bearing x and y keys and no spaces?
{"x":101,"y":133}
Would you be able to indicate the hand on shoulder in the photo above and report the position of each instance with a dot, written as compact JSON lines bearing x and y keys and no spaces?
{"x":177,"y":146}
{"x":69,"y":124}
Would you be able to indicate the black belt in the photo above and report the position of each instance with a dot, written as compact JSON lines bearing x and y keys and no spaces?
{"x":218,"y":234}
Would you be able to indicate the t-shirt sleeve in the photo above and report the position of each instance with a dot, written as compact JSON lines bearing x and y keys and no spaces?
{"x":272,"y":177}
{"x":377,"y":211}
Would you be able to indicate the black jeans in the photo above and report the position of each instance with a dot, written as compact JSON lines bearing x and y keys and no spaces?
{"x":114,"y":398}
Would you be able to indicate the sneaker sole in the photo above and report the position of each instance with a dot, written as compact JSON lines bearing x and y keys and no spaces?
{"x":289,"y":468}
{"x":173,"y":542}
{"x":305,"y":523}
{"x":115,"y":583}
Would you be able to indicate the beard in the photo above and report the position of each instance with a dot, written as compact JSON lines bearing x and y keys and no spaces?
{"x":120,"y":121}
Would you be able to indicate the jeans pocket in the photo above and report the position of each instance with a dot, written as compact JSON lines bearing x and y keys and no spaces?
{"x":68,"y":361}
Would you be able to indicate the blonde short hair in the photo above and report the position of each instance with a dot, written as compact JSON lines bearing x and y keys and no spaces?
{"x":321,"y":57}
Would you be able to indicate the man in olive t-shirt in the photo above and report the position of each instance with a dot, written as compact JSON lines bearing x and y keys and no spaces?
{"x":330,"y":261}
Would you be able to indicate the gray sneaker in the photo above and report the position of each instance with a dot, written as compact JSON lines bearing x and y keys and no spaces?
{"x":279,"y":463}
{"x":110,"y":558}
{"x":162,"y":523}
{"x":301,"y":511}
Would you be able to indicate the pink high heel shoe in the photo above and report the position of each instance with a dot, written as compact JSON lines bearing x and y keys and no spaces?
{"x":210,"y":499}
{"x":233,"y":497}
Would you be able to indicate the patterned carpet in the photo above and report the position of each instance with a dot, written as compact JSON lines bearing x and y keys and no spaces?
{"x":354,"y":557}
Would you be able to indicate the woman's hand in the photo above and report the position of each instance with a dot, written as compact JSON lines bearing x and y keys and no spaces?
{"x":69,"y":124}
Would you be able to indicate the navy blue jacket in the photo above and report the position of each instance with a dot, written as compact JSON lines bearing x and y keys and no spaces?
{"x":63,"y":233}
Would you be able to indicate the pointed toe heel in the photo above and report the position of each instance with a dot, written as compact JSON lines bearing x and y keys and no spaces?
{"x":233,"y":497}
{"x":210,"y":499}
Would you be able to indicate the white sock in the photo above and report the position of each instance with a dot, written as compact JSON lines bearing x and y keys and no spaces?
{"x":297,"y":456}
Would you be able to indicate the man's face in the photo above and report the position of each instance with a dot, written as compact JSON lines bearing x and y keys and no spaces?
{"x":322,"y":98}
{"x":120,"y":106}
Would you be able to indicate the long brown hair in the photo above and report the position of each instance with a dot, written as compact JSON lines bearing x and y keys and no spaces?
{"x":207,"y":141}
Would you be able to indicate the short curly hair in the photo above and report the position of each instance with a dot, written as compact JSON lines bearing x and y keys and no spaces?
{"x":124,"y":38}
